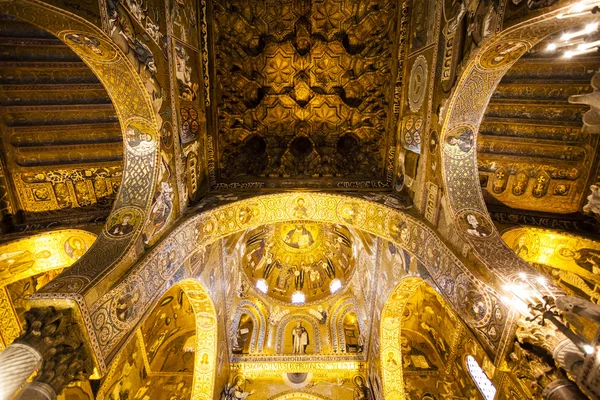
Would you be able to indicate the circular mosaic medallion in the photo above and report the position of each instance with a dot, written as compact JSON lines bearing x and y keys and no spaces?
{"x":417,"y":84}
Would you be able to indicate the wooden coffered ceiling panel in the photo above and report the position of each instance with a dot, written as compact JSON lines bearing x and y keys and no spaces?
{"x":61,"y":141}
{"x":304,"y":90}
{"x":533,"y":154}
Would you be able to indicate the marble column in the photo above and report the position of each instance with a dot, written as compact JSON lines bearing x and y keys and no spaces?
{"x":36,"y":391}
{"x":51,"y":344}
{"x":563,"y":389}
{"x":17,"y":363}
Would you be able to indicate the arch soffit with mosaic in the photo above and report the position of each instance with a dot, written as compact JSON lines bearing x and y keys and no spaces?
{"x":466,"y":108}
{"x":203,"y":386}
{"x":42,"y":253}
{"x":134,"y":111}
{"x":258,"y":317}
{"x":390,"y":332}
{"x":448,"y":273}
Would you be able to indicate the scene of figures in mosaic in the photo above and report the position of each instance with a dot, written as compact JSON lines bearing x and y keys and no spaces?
{"x":299,"y":199}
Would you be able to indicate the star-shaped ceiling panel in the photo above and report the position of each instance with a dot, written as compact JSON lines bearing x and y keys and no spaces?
{"x":304,"y":90}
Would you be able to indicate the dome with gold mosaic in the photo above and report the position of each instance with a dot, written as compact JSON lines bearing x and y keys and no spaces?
{"x":298,"y":262}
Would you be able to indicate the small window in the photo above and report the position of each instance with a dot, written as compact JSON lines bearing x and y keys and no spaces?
{"x":485,"y":386}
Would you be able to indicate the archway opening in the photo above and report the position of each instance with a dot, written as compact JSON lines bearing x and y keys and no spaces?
{"x":173,"y":352}
{"x":421,"y":337}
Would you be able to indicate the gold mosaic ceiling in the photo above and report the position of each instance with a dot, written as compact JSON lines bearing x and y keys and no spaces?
{"x":61,"y":141}
{"x":532,"y":153}
{"x":304,"y":92}
{"x":297,"y":257}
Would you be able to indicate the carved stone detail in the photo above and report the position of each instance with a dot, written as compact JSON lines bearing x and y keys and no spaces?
{"x":56,"y":336}
{"x":533,"y":368}
{"x":546,"y":337}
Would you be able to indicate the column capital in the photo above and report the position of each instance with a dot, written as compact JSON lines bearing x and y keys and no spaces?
{"x":59,"y":340}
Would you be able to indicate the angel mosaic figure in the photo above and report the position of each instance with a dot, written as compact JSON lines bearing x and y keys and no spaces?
{"x":236,"y":392}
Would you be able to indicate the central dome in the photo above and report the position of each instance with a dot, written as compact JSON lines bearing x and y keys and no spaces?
{"x":298,"y":262}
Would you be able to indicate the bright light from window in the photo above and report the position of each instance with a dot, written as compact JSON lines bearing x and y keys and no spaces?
{"x":485,"y":386}
{"x":298,"y":298}
{"x":335,"y":285}
{"x":589,"y":349}
{"x":589,"y":28}
{"x":261,"y":285}
{"x":579,"y":7}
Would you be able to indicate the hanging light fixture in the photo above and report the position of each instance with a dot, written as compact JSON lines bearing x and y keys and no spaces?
{"x":582,"y":41}
{"x":531,"y":297}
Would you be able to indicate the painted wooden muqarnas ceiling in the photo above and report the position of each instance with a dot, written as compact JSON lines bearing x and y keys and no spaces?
{"x":304,"y":91}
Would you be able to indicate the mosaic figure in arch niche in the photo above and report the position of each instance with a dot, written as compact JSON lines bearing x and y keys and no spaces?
{"x":526,"y":245}
{"x":588,"y":259}
{"x":162,"y":203}
{"x":160,"y":212}
{"x":413,"y":358}
{"x":17,"y":262}
{"x":300,"y":338}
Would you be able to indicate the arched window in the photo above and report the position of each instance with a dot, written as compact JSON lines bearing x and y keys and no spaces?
{"x":485,"y":386}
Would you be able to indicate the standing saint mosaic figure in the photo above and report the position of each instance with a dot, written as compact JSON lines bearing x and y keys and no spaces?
{"x":300,"y":338}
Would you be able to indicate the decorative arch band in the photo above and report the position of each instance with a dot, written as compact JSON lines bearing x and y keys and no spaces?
{"x":453,"y":278}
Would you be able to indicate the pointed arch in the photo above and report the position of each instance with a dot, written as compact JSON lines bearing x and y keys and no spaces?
{"x":454,"y":279}
{"x":390,"y":332}
{"x":205,"y":362}
{"x":465,"y":110}
{"x":257,"y":314}
{"x":336,"y":323}
{"x":191,"y":300}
